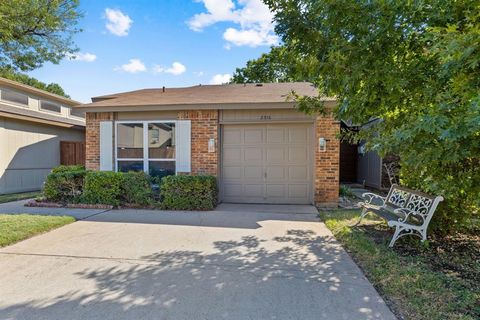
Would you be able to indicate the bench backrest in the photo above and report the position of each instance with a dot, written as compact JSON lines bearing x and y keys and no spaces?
{"x":419,"y":202}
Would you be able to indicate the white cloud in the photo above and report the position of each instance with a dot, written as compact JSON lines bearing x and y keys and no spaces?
{"x":254,"y":20}
{"x":87,"y":57}
{"x":176,"y":69}
{"x":134,"y":66}
{"x":198,"y":73}
{"x":118,"y":23}
{"x":221,"y":78}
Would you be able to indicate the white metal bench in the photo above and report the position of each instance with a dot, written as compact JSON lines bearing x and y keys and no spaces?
{"x":408,"y":211}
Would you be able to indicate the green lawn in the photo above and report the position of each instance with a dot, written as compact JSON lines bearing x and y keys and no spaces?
{"x":18,"y":196}
{"x":437,"y":281}
{"x":16,"y":227}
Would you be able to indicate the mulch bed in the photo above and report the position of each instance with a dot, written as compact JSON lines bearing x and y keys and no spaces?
{"x":34,"y":203}
{"x":88,"y":206}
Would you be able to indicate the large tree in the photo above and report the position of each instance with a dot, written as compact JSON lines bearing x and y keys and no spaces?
{"x":413,"y":64}
{"x":278,"y":65}
{"x":35,"y":31}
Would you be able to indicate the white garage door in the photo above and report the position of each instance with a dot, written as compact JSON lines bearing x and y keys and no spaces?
{"x":267,"y":163}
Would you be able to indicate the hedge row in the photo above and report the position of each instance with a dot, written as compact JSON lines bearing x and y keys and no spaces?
{"x":74,"y":184}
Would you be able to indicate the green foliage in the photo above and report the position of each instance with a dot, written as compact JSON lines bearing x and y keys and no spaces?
{"x":189,"y":192}
{"x":102,"y":187}
{"x":346,"y":191}
{"x":35,"y":31}
{"x":13,"y":75}
{"x":63,"y":168}
{"x":64,"y":184}
{"x":278,"y":65}
{"x":416,"y":66}
{"x":136,"y":189}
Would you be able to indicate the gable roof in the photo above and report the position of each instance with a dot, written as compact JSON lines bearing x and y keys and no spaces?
{"x":203,"y":96}
{"x":37,"y":92}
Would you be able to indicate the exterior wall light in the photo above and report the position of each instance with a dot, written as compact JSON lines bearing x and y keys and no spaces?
{"x":211,"y":145}
{"x":322,"y":145}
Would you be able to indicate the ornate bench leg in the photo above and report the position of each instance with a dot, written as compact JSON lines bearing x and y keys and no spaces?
{"x":396,"y":235}
{"x":362,"y":215}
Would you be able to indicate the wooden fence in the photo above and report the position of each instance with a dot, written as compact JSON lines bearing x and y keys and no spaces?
{"x":72,"y":152}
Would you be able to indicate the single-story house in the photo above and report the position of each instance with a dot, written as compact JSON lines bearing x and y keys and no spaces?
{"x":250,"y":136}
{"x":32,"y":124}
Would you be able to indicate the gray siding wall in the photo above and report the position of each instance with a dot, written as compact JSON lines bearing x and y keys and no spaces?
{"x":28,"y":151}
{"x":370,"y":169}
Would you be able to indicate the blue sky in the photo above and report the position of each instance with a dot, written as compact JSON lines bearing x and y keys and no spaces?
{"x":127,"y":45}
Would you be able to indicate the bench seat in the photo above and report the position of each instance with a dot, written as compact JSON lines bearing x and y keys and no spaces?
{"x":406,"y":210}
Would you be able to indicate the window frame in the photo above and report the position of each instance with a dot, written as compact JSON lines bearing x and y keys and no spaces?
{"x":52,"y":103}
{"x":7,"y":90}
{"x":146,"y":159}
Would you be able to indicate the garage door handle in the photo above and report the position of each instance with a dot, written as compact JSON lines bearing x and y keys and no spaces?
{"x":265,"y":174}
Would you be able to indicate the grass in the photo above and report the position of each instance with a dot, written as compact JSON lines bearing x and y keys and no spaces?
{"x":416,"y":280}
{"x":18,"y":196}
{"x":17,"y":227}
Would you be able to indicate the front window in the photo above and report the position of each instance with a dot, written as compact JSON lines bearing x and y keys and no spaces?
{"x":146,"y":146}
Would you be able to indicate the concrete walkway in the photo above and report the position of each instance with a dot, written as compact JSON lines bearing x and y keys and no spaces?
{"x":238,"y":262}
{"x":18,"y":207}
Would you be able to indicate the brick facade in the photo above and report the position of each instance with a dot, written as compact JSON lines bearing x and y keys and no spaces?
{"x":327,"y":164}
{"x":204,"y":127}
{"x":92,"y":138}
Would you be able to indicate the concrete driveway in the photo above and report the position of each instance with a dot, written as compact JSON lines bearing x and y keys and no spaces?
{"x":239,"y":262}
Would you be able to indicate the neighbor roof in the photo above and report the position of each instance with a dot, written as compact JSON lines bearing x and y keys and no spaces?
{"x":37,"y":92}
{"x":204,"y":95}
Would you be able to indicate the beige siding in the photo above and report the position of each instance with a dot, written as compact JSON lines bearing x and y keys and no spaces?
{"x":147,"y":115}
{"x":28,"y":152}
{"x":255,"y":115}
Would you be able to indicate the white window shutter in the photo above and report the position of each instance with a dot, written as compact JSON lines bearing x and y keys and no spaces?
{"x":183,"y":145}
{"x":106,"y":146}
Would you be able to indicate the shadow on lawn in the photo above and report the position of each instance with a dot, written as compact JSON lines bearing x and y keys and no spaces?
{"x":299,"y":276}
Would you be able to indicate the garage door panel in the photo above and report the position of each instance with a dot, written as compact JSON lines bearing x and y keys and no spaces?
{"x":298,"y":135}
{"x":253,"y":154}
{"x":275,"y":135}
{"x":253,"y":190}
{"x":232,"y":190}
{"x":253,"y":136}
{"x":267,"y":163}
{"x":298,"y":154}
{"x":275,"y":155}
{"x":251,"y":172}
{"x":276,"y":173}
{"x":298,"y":173}
{"x":275,"y":191}
{"x":231,"y":172}
{"x":297,"y":190}
{"x":231,"y":155}
{"x":232,"y":136}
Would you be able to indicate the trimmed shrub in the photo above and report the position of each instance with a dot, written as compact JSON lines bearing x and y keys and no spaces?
{"x":136,"y":189}
{"x":102,"y":187}
{"x":63,"y":168}
{"x":64,"y":185}
{"x":189,"y":192}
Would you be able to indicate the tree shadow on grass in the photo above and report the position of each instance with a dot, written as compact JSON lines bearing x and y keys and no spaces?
{"x":299,"y":275}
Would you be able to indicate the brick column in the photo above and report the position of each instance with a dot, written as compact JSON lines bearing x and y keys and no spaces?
{"x":204,"y":127}
{"x":92,"y":138}
{"x":327,"y":164}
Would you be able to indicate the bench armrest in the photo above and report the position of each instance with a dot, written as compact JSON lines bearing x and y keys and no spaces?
{"x":369,"y":197}
{"x":406,"y":213}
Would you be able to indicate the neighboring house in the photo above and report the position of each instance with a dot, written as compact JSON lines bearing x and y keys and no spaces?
{"x":248,"y":135}
{"x":32,"y":124}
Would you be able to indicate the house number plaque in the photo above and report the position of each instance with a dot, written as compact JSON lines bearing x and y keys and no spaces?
{"x":265,"y":117}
